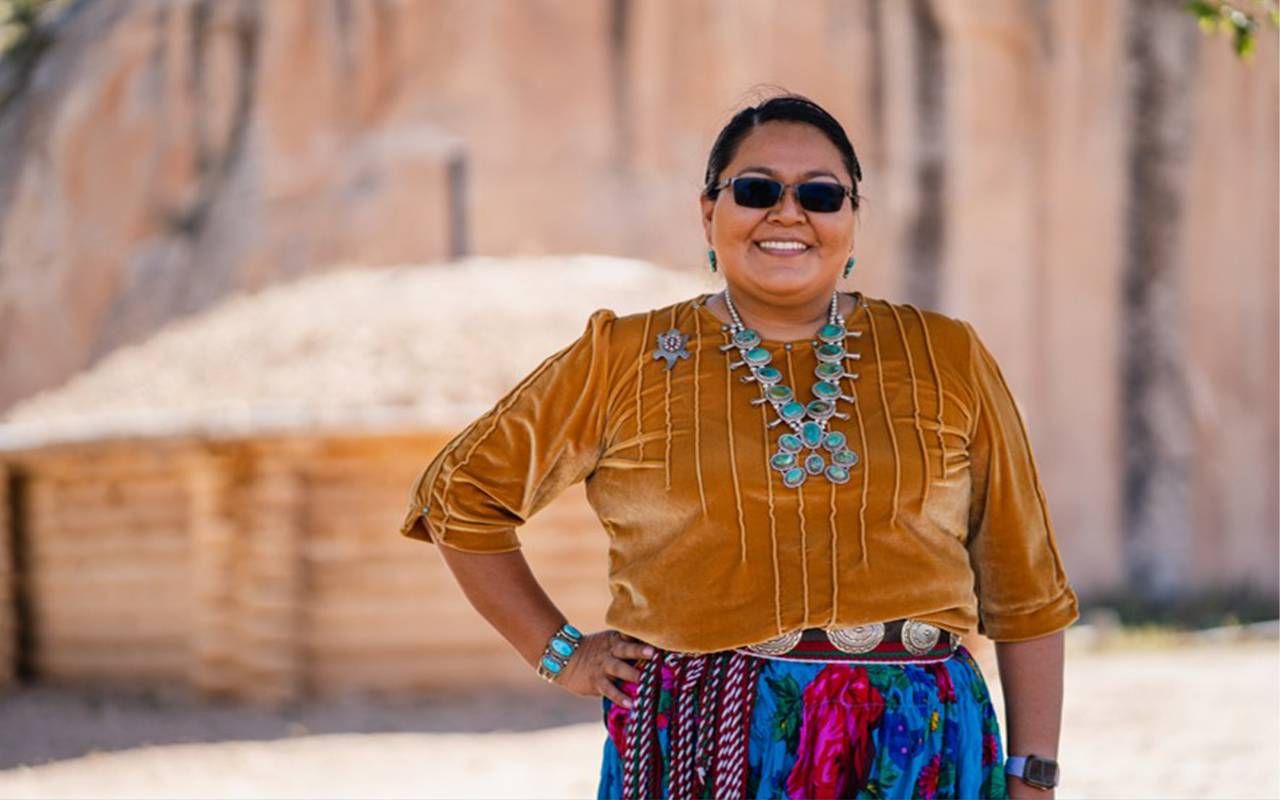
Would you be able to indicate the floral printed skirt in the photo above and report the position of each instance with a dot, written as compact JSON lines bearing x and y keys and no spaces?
{"x":812,"y":729}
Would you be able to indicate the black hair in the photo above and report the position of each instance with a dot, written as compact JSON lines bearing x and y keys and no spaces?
{"x":782,"y":108}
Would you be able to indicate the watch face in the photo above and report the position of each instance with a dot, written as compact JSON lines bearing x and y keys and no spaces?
{"x":1041,"y":772}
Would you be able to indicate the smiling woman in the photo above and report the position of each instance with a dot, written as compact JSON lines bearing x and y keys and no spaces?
{"x":811,"y":496}
{"x":784,"y":234}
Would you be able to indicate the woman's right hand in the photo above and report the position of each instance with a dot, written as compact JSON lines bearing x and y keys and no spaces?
{"x":599,"y":659}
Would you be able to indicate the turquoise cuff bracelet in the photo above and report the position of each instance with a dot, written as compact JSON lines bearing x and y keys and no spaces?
{"x":560,"y":648}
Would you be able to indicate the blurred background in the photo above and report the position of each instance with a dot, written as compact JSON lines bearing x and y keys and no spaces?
{"x":250,"y":256}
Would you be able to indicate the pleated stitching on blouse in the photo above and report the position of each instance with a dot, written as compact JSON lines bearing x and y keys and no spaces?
{"x":733,"y":458}
{"x":937,"y":380}
{"x":644,"y":338}
{"x":888,"y":418}
{"x":866,"y":461}
{"x":697,"y":407}
{"x":915,"y":405}
{"x":773,"y":523}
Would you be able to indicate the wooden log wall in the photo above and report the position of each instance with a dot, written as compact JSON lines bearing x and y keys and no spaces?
{"x":266,"y":571}
{"x":107,"y":549}
{"x":383,"y":613}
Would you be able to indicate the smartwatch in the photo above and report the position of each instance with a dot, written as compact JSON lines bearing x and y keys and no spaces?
{"x":1041,"y":773}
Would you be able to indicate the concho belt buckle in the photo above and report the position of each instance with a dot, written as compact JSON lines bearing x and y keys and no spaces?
{"x":858,"y":639}
{"x":779,"y":645}
{"x":919,"y":637}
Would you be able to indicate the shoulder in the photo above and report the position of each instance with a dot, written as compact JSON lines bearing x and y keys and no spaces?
{"x":643,"y":326}
{"x":948,"y":338}
{"x":619,"y":337}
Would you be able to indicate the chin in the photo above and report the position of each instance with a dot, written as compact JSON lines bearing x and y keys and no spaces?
{"x":785,"y":281}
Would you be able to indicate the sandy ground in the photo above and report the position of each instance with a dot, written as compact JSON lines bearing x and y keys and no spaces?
{"x":1140,"y":721}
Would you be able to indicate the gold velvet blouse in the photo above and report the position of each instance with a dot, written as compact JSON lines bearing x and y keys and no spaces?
{"x":942,"y":520}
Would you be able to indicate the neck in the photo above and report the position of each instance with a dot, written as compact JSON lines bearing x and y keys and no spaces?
{"x":786,"y":321}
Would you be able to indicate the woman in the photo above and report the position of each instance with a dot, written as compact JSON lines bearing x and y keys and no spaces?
{"x":810,"y":496}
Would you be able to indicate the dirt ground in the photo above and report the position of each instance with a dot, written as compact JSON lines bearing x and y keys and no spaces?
{"x":1146,"y":719}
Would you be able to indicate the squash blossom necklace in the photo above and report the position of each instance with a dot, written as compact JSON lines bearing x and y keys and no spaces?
{"x":804,"y":450}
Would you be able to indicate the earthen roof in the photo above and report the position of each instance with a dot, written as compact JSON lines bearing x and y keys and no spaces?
{"x":423,"y":346}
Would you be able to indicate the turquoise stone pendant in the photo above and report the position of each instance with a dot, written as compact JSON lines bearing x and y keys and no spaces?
{"x":807,"y":420}
{"x":811,"y":434}
{"x":783,"y":461}
{"x":837,"y":474}
{"x":845,"y":458}
{"x":826,"y":391}
{"x":793,"y":477}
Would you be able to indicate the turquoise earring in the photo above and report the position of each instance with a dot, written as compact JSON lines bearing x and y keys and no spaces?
{"x":848,"y":267}
{"x":711,"y":256}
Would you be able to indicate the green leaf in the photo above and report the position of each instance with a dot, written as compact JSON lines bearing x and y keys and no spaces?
{"x":787,"y":689}
{"x":947,"y":775}
{"x":1202,"y":9}
{"x":790,"y":702}
{"x":889,"y":773}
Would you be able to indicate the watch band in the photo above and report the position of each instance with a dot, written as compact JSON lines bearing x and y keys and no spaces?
{"x":1033,"y":770}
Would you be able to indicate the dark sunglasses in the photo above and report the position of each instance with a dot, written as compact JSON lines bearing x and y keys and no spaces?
{"x":820,"y":196}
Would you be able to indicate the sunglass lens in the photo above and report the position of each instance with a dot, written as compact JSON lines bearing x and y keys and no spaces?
{"x":820,"y":196}
{"x":756,"y":192}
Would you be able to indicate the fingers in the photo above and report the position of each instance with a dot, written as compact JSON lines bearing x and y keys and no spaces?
{"x":611,"y":691}
{"x":620,"y":668}
{"x":624,"y":649}
{"x":630,"y":649}
{"x":601,"y":658}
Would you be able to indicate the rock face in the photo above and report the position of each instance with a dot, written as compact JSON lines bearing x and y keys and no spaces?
{"x":1093,"y":185}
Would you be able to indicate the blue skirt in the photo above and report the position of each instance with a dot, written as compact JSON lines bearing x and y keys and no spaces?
{"x":824,"y":729}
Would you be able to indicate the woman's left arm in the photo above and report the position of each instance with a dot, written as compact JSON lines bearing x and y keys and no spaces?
{"x":1031,"y":680}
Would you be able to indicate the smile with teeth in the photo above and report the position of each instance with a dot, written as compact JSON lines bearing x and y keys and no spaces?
{"x":780,"y":246}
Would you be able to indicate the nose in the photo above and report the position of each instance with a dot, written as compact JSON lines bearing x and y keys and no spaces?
{"x":788,"y":208}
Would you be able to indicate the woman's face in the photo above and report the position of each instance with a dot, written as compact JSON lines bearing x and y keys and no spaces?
{"x":790,"y":152}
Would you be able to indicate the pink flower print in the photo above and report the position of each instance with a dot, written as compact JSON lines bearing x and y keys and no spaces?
{"x":835,"y":751}
{"x":989,"y":747}
{"x":617,"y":718}
{"x":927,"y":783}
{"x":946,"y":689}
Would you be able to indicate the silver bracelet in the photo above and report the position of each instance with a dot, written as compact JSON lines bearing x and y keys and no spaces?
{"x":560,"y":648}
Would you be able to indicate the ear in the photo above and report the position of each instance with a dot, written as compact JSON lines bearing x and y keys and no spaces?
{"x":708,"y":212}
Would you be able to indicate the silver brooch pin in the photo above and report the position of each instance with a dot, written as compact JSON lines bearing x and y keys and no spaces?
{"x":671,"y":346}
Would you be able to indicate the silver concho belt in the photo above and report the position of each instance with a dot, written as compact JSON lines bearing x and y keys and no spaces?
{"x":887,"y":641}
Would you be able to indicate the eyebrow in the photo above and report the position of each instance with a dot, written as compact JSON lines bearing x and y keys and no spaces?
{"x":813,"y":173}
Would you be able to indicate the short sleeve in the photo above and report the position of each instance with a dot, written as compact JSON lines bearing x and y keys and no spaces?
{"x":543,"y":436}
{"x":1022,"y":587}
